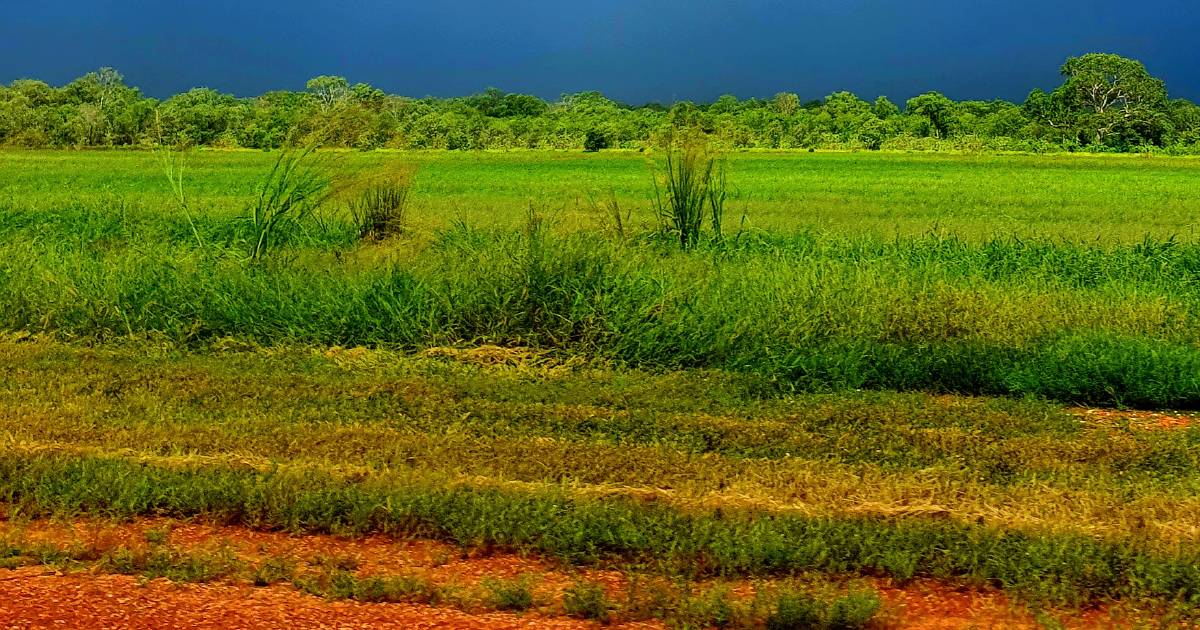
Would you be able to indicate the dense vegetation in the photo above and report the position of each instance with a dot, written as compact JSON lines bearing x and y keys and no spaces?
{"x":675,"y":364}
{"x":1109,"y":322}
{"x":1106,"y":103}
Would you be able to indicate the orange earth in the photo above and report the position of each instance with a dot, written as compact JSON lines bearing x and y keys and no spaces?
{"x":39,"y":597}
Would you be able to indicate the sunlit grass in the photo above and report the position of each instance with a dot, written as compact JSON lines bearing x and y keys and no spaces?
{"x":973,"y":196}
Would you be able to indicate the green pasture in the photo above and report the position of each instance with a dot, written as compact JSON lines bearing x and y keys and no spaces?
{"x":872,"y":374}
{"x":972,"y":196}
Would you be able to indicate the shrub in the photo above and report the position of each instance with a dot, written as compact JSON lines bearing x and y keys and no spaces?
{"x":510,"y":594}
{"x":794,"y":612}
{"x":799,"y":610}
{"x":380,"y":207}
{"x":853,"y":611}
{"x":595,"y":141}
{"x":288,"y":197}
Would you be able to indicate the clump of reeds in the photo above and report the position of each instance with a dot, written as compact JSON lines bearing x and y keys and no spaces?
{"x":613,"y":217}
{"x":379,"y":202}
{"x":691,"y":184}
{"x":288,"y":196}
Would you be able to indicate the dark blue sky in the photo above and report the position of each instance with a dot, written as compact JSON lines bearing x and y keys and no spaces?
{"x":632,"y":50}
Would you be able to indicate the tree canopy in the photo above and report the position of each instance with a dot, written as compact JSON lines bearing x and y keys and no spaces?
{"x":1105,"y":103}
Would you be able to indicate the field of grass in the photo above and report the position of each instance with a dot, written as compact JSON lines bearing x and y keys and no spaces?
{"x":1113,"y":198}
{"x":874,"y":375}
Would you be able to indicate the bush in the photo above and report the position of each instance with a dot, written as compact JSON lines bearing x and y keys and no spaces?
{"x":288,"y":196}
{"x":796,"y":612}
{"x":595,"y":141}
{"x":515,"y":595}
{"x":853,"y":611}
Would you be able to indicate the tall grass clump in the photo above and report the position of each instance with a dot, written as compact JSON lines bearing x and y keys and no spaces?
{"x":613,"y":218}
{"x":379,"y":206}
{"x":287,"y":198}
{"x":691,"y":185}
{"x":172,"y":164}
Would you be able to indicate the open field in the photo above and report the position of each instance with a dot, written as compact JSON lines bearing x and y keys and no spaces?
{"x":1064,"y":313}
{"x":1108,"y":197}
{"x":874,"y":383}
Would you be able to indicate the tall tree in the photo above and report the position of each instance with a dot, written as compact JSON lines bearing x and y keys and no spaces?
{"x":329,"y":90}
{"x":787,"y":103}
{"x":936,"y":109}
{"x":1114,"y":95}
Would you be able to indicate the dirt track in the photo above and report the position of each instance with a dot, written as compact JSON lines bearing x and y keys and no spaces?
{"x":30,"y":599}
{"x":38,"y":597}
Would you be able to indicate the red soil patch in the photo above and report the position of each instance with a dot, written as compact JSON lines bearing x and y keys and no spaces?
{"x":439,"y":562}
{"x":1138,"y":419}
{"x":30,"y":598}
{"x":930,"y":605}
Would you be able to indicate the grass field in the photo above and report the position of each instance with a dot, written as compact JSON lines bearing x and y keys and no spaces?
{"x":875,"y":376}
{"x":1080,"y":198}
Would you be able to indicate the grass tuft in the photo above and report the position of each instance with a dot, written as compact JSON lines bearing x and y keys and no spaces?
{"x":288,"y":197}
{"x":379,"y":205}
{"x":587,"y":600}
{"x":692,"y":180}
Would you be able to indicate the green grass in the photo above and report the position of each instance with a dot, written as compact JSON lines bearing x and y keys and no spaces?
{"x":691,"y":470}
{"x":869,"y":381}
{"x":1107,"y":197}
{"x":1100,"y":324}
{"x":1058,"y":568}
{"x":91,"y":246}
{"x":679,"y":604}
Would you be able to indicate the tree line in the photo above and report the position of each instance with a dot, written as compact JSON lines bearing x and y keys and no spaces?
{"x":1105,"y":103}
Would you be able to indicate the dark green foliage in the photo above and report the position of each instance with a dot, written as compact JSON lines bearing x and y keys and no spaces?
{"x":273,"y":570}
{"x":173,"y":564}
{"x":341,"y":584}
{"x":379,"y":208}
{"x":595,"y":141}
{"x":797,"y":611}
{"x":855,"y":610}
{"x":515,"y":594}
{"x":690,"y":186}
{"x":333,"y":112}
{"x":742,"y":308}
{"x":288,"y":197}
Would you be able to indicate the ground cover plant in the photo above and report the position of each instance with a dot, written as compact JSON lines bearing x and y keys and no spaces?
{"x":464,"y":348}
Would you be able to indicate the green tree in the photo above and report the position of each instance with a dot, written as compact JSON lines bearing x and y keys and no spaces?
{"x":884,"y":108}
{"x":1185,"y":120}
{"x":935,"y":109}
{"x":1115,"y":96}
{"x":368,"y":96}
{"x":725,"y":104}
{"x":328,"y":90}
{"x":786,"y":103}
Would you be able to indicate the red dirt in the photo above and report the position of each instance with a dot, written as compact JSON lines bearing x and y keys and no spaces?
{"x":32,"y":598}
{"x":29,"y":599}
{"x":1138,"y":419}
